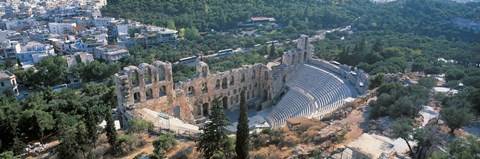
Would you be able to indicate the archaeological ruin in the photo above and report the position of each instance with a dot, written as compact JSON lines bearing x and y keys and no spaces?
{"x":300,"y":86}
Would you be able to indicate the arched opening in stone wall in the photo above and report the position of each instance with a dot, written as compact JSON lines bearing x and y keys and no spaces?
{"x":149,"y":94}
{"x":254,"y":75}
{"x":265,"y":95}
{"x":161,"y":73}
{"x":243,"y":78}
{"x":135,"y":78}
{"x":176,"y":112}
{"x":232,"y":81}
{"x":231,"y":100}
{"x":147,"y":78}
{"x":162,"y":91}
{"x":191,"y":91}
{"x":136,"y":97}
{"x":225,"y":102}
{"x":204,"y":88}
{"x":248,"y":94}
{"x":225,"y":83}
{"x":205,"y":109}
{"x":217,"y":84}
{"x":266,"y":75}
{"x":236,"y":98}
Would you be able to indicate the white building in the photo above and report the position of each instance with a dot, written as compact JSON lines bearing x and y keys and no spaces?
{"x":8,"y":81}
{"x":35,"y":52}
{"x":10,"y":49}
{"x":111,"y":53}
{"x":84,"y":57}
{"x":61,"y":28}
{"x":104,"y":22}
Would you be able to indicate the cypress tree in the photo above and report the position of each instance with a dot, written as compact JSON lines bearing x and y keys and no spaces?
{"x":272,"y":53}
{"x":241,"y":145}
{"x":111,"y":132}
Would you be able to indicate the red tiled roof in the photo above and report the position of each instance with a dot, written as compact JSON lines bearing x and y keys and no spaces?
{"x":260,"y":18}
{"x":80,"y":28}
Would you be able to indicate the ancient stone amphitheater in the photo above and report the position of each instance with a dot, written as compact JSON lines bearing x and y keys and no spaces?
{"x":299,"y":86}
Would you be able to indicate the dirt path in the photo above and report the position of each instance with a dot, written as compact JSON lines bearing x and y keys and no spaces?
{"x":147,"y":149}
{"x":182,"y":145}
{"x":357,"y":122}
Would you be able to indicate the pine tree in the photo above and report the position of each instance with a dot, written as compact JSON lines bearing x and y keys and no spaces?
{"x":378,"y":46}
{"x":241,"y":147}
{"x":272,"y":53}
{"x":214,"y":139}
{"x":91,"y":125}
{"x":111,"y":132}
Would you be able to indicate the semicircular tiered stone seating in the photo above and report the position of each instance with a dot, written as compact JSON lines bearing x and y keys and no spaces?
{"x":327,"y":89}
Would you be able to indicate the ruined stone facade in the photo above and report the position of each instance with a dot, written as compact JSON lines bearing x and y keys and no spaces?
{"x":152,"y":86}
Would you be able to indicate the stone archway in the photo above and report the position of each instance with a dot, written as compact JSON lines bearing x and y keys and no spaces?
{"x":147,"y":75}
{"x":135,"y":79}
{"x":225,"y":83}
{"x":225,"y":102}
{"x":136,"y":97}
{"x":191,"y":91}
{"x":205,"y":109}
{"x":149,"y":94}
{"x":162,"y":91}
{"x":161,"y":73}
{"x":217,"y":84}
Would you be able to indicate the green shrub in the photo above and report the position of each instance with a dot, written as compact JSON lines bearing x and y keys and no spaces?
{"x":138,"y":125}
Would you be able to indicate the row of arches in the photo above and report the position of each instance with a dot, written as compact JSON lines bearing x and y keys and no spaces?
{"x":223,"y":84}
{"x":295,"y":60}
{"x":205,"y":108}
{"x":137,"y":96}
{"x":150,"y":75}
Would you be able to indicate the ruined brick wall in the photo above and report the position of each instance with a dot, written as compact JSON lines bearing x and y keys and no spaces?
{"x":152,"y":87}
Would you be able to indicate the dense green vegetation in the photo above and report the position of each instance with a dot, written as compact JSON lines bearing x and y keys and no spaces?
{"x":53,"y":70}
{"x":462,"y":148}
{"x":163,"y":144}
{"x":395,"y":100}
{"x":224,"y":14}
{"x":235,"y":60}
{"x":72,"y":115}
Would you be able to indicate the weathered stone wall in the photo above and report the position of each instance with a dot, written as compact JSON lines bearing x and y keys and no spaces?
{"x":151,"y":86}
